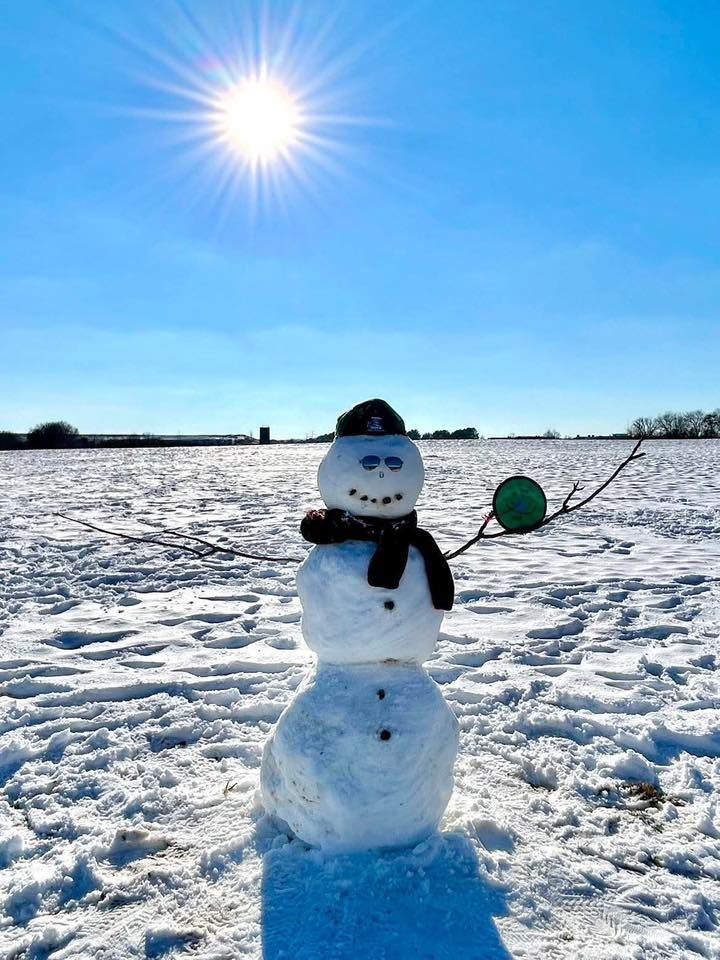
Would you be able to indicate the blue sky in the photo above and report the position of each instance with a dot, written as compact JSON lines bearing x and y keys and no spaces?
{"x":510,"y":218}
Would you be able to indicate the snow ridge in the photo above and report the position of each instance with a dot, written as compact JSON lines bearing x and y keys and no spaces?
{"x":137,"y":689}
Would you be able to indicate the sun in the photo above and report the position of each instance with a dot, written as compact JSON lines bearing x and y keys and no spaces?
{"x":259,"y":119}
{"x":257,"y":108}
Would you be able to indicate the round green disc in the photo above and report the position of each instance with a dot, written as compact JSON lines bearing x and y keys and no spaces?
{"x":519,"y":504}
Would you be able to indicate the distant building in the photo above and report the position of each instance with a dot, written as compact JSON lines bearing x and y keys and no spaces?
{"x":264,"y":434}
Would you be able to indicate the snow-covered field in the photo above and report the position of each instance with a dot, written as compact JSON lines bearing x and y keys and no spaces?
{"x":137,"y":686}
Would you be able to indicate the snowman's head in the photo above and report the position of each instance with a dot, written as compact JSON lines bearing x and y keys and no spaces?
{"x":372,"y":468}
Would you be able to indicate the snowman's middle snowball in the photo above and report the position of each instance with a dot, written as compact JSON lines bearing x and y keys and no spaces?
{"x":345,"y":620}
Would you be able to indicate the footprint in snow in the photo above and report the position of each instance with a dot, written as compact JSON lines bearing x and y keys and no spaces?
{"x":74,"y":640}
{"x":571,"y":628}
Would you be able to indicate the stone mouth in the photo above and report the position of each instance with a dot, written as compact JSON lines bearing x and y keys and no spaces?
{"x":377,"y":501}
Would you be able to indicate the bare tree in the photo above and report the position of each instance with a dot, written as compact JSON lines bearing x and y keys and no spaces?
{"x":642,"y":427}
{"x":668,"y":425}
{"x":693,"y":423}
{"x":53,"y":435}
{"x":677,"y":426}
{"x":711,"y":424}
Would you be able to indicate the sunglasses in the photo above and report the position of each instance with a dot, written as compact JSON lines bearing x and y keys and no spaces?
{"x":371,"y":462}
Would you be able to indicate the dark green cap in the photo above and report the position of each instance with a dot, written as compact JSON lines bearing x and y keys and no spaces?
{"x":373,"y":418}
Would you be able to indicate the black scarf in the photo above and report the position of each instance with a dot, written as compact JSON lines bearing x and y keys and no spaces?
{"x":394,"y":539}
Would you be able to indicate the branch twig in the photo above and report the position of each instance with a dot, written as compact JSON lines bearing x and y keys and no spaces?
{"x":563,"y":510}
{"x":203,"y":554}
{"x":568,"y":498}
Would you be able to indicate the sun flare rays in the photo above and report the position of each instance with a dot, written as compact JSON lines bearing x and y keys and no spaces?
{"x":255,"y":112}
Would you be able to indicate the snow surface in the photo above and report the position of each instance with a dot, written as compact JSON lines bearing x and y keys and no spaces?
{"x":138,"y":685}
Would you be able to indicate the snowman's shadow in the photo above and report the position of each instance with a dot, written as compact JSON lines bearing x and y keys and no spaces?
{"x":427,"y":904}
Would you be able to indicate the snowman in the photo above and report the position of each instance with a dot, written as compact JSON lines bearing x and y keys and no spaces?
{"x":363,"y":756}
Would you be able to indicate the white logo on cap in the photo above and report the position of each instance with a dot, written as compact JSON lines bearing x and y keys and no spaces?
{"x":375,"y":425}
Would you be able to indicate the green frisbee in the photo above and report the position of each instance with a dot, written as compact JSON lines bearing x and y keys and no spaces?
{"x":519,"y":504}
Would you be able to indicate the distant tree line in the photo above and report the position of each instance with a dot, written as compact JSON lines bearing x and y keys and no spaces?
{"x":677,"y":426}
{"x":53,"y":435}
{"x":60,"y":435}
{"x":464,"y":433}
{"x":10,"y":441}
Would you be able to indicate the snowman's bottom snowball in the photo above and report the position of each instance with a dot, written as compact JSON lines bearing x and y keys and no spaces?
{"x":362,"y":758}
